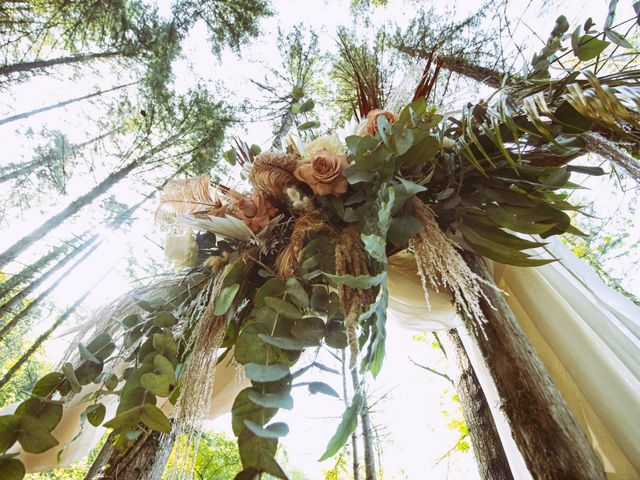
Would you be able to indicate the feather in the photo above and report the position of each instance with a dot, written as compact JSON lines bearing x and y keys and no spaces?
{"x":192,"y":195}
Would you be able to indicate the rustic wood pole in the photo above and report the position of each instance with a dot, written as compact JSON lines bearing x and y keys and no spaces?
{"x":543,"y":427}
{"x":144,"y":460}
{"x":490,"y":457}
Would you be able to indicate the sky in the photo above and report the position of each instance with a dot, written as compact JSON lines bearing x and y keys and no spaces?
{"x":416,"y":432}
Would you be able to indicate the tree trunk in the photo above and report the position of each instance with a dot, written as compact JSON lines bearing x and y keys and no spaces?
{"x":487,"y":447}
{"x":10,"y":325}
{"x":285,"y":126}
{"x":25,"y":242}
{"x":78,"y":204}
{"x":543,"y":427}
{"x":64,"y":103}
{"x":28,"y":272}
{"x":354,"y":439}
{"x":42,"y":64}
{"x":30,"y":166}
{"x":459,"y":65}
{"x":20,"y":170}
{"x":43,"y":337}
{"x":24,"y":293}
{"x":367,"y":431}
{"x":145,"y":460}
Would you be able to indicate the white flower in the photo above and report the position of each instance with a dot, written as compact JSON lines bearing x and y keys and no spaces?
{"x":327,"y":142}
{"x":181,"y":250}
{"x":448,"y":143}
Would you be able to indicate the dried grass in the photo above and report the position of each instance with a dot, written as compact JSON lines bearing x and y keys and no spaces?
{"x":440,"y":265}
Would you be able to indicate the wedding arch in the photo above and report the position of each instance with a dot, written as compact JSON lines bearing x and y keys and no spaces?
{"x":425,"y":219}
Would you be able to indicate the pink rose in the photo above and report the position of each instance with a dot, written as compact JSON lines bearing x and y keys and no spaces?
{"x":323,"y":173}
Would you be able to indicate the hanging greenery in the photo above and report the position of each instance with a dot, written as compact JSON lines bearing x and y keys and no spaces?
{"x":300,"y":260}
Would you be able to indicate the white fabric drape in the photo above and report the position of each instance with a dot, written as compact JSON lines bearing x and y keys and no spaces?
{"x":587,"y":335}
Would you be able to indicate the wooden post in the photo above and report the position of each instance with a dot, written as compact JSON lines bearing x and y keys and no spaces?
{"x":543,"y":427}
{"x":490,"y":457}
{"x":144,"y":460}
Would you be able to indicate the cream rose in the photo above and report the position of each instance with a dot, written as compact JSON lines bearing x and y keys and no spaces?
{"x":256,"y":211}
{"x":371,"y":125}
{"x":323,"y":172}
{"x":330,"y":143}
{"x":181,"y":250}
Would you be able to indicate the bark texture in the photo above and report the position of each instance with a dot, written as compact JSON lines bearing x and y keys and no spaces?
{"x":490,"y":457}
{"x":543,"y":427}
{"x":144,"y":460}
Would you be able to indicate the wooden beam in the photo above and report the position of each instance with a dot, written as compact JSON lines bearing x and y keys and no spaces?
{"x":551,"y":442}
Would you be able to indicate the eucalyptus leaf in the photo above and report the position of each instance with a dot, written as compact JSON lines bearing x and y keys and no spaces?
{"x":49,"y":413}
{"x":321,"y":387}
{"x":282,"y":399}
{"x":243,"y":408}
{"x":257,"y":452}
{"x":47,"y":384}
{"x":164,"y":320}
{"x":96,"y":413}
{"x":309,"y":125}
{"x":34,"y":436}
{"x":266,"y":373}
{"x":307,"y":106}
{"x":589,"y":47}
{"x":159,"y":385}
{"x":224,"y":300}
{"x":275,"y":430}
{"x":164,"y":366}
{"x":346,"y":427}
{"x":101,"y":346}
{"x":402,"y":229}
{"x":308,"y":327}
{"x":88,"y":372}
{"x":272,"y":287}
{"x":153,"y":418}
{"x":283,"y":308}
{"x":289,"y":343}
{"x":87,"y":355}
{"x":9,"y":430}
{"x":375,"y":246}
{"x":164,"y":344}
{"x":297,"y":293}
{"x":11,"y":469}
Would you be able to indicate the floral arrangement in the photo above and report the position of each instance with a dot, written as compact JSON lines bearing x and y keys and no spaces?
{"x":298,"y":261}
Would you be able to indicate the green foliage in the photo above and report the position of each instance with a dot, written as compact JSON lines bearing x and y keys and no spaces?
{"x":347,"y":426}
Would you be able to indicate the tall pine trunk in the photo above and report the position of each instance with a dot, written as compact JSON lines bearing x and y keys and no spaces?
{"x":45,"y":336}
{"x":11,"y":324}
{"x":64,"y":103}
{"x":74,"y":207}
{"x":71,"y":60}
{"x":78,"y":204}
{"x":459,"y":65}
{"x":543,"y":427}
{"x":490,"y":456}
{"x":31,"y":166}
{"x":27,"y":290}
